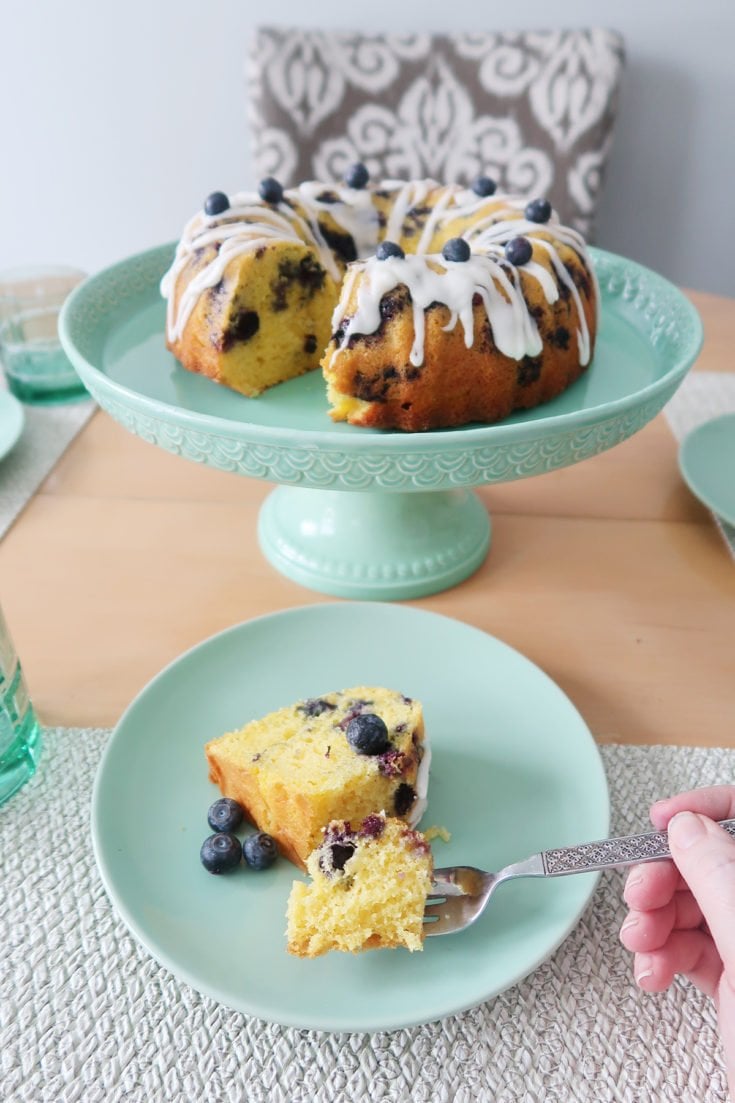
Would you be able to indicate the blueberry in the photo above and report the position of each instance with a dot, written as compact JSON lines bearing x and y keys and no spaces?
{"x":388,"y":249}
{"x":315,"y":706}
{"x":340,"y":855}
{"x":260,"y":851}
{"x":356,"y":176}
{"x":484,"y":186}
{"x":538,"y":210}
{"x":334,"y":856}
{"x":224,"y":815}
{"x":367,"y":734}
{"x":518,"y":250}
{"x":404,"y":797}
{"x":456,"y":249}
{"x":220,"y":852}
{"x":216,"y":203}
{"x":270,"y":190}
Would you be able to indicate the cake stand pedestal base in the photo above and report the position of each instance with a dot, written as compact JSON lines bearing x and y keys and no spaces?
{"x":374,"y":546}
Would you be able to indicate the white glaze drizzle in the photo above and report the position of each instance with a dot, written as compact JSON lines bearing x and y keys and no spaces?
{"x":249,"y":224}
{"x":453,"y":283}
{"x":432,"y":222}
{"x":431,"y":278}
{"x":422,"y":785}
{"x":234,"y":239}
{"x":409,"y":195}
{"x":355,"y":213}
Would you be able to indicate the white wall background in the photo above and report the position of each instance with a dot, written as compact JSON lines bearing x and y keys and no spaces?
{"x":118,"y":118}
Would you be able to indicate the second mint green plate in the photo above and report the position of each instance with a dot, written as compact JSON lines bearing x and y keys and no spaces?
{"x":707,"y":462}
{"x":514,"y":770}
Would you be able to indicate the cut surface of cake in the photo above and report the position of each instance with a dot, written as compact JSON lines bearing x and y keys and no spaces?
{"x":342,"y":755}
{"x":368,"y":889}
{"x":427,"y":305}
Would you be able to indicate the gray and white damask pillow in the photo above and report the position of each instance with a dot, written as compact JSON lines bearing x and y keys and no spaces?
{"x":534,"y":110}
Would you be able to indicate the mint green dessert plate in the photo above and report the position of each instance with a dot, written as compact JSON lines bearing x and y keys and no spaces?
{"x":411,"y":524}
{"x":12,"y":420}
{"x":514,"y":770}
{"x":707,"y":463}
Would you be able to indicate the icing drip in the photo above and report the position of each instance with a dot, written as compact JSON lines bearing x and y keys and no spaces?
{"x":346,"y":292}
{"x":433,"y":221}
{"x":243,"y":228}
{"x":233,"y":239}
{"x":248,"y":224}
{"x":453,"y":283}
{"x":583,"y":333}
{"x":409,"y":195}
{"x":431,"y":278}
{"x":354,"y":212}
{"x":422,"y":785}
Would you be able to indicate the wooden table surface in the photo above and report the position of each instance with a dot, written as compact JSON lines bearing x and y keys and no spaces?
{"x":608,"y":574}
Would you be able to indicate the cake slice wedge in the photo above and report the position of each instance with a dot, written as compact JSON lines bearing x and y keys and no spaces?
{"x":339,"y":756}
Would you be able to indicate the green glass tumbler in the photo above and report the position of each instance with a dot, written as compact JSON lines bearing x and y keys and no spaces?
{"x":37,"y":370}
{"x":20,"y":732}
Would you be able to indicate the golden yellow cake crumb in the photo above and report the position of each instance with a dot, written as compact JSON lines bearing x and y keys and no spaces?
{"x":368,"y":890}
{"x":435,"y":832}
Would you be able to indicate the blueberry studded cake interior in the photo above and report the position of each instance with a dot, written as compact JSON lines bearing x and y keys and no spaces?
{"x":368,"y":889}
{"x":427,"y":305}
{"x":344,"y":755}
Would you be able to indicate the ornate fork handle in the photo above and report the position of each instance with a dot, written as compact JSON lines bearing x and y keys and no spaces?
{"x":609,"y":853}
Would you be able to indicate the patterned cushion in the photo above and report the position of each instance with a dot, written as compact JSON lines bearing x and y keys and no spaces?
{"x":533,"y":110}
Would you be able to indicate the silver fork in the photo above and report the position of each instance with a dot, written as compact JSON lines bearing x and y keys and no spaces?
{"x":460,"y":893}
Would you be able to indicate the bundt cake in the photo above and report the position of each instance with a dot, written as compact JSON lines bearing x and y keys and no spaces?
{"x":427,"y":305}
{"x":343,"y":755}
{"x":368,"y":890}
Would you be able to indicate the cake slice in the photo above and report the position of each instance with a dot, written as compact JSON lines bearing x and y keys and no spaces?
{"x":340,"y":756}
{"x":368,"y":890}
{"x":266,"y":320}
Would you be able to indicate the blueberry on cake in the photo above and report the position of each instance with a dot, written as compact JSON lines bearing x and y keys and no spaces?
{"x":427,"y":305}
{"x":368,"y":889}
{"x":342,"y":756}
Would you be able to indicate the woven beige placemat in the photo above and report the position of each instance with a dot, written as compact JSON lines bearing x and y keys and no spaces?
{"x":86,"y":1015}
{"x":47,"y":433}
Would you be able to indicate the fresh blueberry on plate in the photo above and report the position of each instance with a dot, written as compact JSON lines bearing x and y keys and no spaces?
{"x":260,"y":851}
{"x":220,"y":852}
{"x":224,"y":815}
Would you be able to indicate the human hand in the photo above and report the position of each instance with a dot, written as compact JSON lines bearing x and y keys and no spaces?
{"x":682,"y":915}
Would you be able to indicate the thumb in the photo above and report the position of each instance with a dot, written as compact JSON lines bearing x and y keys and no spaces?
{"x":705,"y":856}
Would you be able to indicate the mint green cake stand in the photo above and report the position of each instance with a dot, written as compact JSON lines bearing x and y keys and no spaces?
{"x":364,"y":513}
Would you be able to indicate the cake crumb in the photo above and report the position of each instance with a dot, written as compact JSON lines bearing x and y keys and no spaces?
{"x":437,"y":833}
